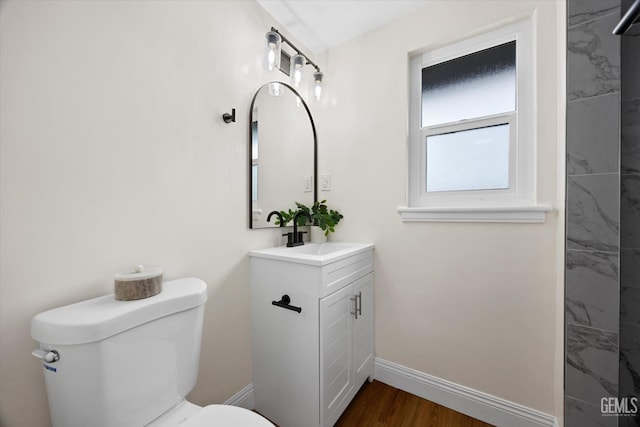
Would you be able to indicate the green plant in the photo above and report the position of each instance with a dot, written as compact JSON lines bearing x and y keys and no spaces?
{"x":287,"y":217}
{"x":320,"y":214}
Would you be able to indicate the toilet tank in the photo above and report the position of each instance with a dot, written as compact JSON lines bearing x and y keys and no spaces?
{"x":122,"y":363}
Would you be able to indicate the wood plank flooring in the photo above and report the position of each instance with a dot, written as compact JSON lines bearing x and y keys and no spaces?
{"x":378,"y":404}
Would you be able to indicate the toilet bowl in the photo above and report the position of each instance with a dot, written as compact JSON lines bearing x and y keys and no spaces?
{"x":189,"y":415}
{"x":110,"y":363}
{"x":225,"y":415}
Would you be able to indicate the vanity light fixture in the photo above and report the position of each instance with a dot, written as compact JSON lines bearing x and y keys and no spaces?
{"x":317,"y":84}
{"x":298,"y":61}
{"x":273,"y":50}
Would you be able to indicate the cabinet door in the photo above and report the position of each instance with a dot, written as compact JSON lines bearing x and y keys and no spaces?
{"x":285,"y":347}
{"x":336,"y":377}
{"x":363,"y":329}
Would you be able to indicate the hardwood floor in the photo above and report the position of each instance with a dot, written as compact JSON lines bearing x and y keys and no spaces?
{"x":378,"y":405}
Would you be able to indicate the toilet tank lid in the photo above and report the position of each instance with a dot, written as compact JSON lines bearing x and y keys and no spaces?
{"x":99,"y":318}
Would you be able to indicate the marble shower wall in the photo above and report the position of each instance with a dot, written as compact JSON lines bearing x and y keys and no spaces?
{"x":592,"y":293}
{"x":630,"y":221}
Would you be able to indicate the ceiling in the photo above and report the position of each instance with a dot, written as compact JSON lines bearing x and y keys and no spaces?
{"x":321,"y":24}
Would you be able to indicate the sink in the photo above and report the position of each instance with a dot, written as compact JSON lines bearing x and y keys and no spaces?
{"x":322,"y":248}
{"x":313,"y":253}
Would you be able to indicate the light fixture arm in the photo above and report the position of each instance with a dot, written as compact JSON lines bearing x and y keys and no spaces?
{"x":298,"y":51}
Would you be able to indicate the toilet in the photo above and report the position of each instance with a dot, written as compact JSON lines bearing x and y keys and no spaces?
{"x":110,"y":363}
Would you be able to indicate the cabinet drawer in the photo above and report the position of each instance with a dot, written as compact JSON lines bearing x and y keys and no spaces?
{"x":339,"y":274}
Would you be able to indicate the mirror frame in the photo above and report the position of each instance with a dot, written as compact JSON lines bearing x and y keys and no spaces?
{"x":315,"y":149}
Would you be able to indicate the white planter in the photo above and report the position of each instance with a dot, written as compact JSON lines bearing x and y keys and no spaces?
{"x":317,"y":234}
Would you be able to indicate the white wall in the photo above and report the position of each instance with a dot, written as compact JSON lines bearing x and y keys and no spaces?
{"x":114,"y":153}
{"x":475,"y":304}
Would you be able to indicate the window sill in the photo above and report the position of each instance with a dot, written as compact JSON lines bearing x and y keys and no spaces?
{"x":514,"y":214}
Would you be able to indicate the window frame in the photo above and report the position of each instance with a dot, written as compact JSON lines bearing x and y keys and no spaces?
{"x":522,"y":164}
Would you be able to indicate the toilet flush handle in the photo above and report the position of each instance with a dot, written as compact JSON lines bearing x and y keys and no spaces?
{"x":48,"y":356}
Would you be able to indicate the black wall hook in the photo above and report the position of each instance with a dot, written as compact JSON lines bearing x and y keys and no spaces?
{"x":228,"y":118}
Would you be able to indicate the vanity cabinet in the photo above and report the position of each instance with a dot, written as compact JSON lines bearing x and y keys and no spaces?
{"x":309,"y":364}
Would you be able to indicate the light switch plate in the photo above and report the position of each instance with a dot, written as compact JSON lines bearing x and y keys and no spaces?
{"x":325,"y":182}
{"x":308,"y":183}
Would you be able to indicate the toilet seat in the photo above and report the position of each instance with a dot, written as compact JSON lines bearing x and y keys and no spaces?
{"x":226,"y":416}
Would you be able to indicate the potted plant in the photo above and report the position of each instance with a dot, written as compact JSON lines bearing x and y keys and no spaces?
{"x":324,"y":219}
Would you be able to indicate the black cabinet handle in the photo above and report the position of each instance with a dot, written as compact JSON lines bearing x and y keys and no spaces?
{"x":284,"y":303}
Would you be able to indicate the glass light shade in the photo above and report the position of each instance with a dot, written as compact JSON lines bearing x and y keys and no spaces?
{"x":297,"y":66}
{"x":273,"y":50}
{"x":317,"y":84}
{"x":275,"y":89}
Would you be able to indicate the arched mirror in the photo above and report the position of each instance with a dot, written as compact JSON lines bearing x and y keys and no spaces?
{"x":282,"y":153}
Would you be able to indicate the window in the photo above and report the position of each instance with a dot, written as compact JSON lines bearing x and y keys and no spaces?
{"x":472,"y":129}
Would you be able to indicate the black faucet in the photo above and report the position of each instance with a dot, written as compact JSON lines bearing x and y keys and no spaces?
{"x":279,"y":216}
{"x":297,"y":235}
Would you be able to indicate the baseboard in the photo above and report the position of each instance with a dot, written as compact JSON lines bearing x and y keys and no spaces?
{"x":476,"y":404}
{"x":243,"y":398}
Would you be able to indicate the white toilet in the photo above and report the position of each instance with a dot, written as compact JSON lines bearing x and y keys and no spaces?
{"x":110,"y":363}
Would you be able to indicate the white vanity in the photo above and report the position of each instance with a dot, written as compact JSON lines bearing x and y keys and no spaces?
{"x":312,"y":330}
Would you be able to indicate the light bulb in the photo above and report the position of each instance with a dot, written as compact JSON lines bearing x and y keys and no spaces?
{"x":273,"y":50}
{"x":317,"y":79}
{"x":297,"y":63}
{"x":297,"y":77}
{"x":275,"y":89}
{"x":271,"y":59}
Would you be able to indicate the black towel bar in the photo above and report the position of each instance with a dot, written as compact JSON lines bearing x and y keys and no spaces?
{"x":284,"y":303}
